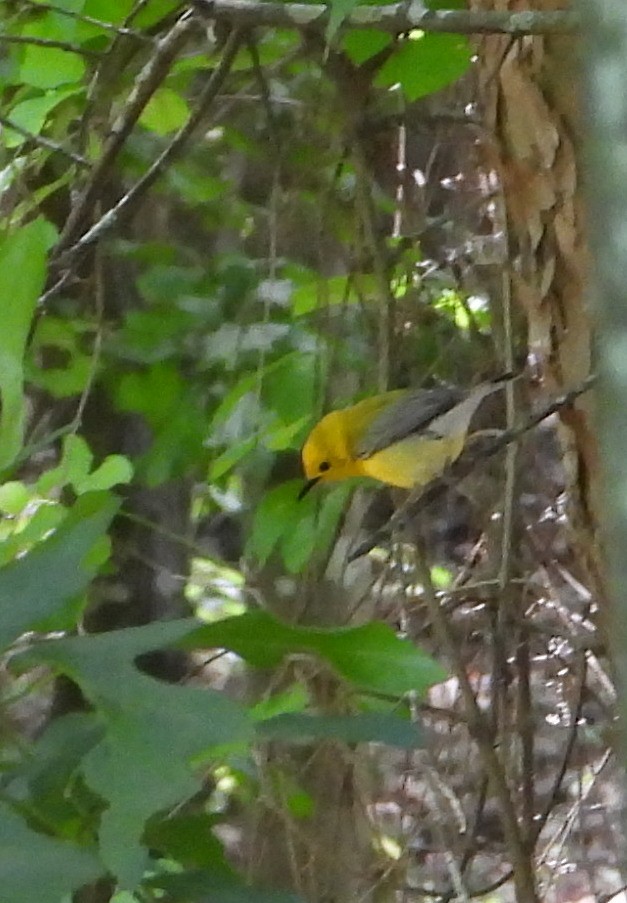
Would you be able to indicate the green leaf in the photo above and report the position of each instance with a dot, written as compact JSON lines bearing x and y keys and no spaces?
{"x":73,"y":467}
{"x":48,"y":67}
{"x":46,"y":518}
{"x":35,"y":868}
{"x":299,"y":542}
{"x":229,"y":458}
{"x":154,"y":12}
{"x":276,"y":514}
{"x":357,"y":728}
{"x":371,"y":656}
{"x":360,"y":46}
{"x":114,"y":11}
{"x":58,"y":751}
{"x":294,"y":699}
{"x":310,"y":525}
{"x":189,"y":839}
{"x":283,"y":437}
{"x":297,"y":526}
{"x":32,"y":114}
{"x":315,"y":292}
{"x":204,"y":886}
{"x":38,"y":586}
{"x":155,"y":732}
{"x":155,"y":392}
{"x":59,"y":339}
{"x":14,"y":497}
{"x":115,"y":469}
{"x":45,"y":782}
{"x":165,"y":112}
{"x":328,"y":515}
{"x":445,"y":4}
{"x":289,"y":386}
{"x":23,"y":252}
{"x":426,"y":63}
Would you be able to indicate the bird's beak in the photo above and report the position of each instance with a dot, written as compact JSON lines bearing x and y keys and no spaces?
{"x":308,"y":485}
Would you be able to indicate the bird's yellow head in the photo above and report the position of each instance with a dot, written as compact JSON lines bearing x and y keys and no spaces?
{"x":326,"y":456}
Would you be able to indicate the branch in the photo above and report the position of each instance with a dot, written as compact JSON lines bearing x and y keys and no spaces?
{"x":397,"y":18}
{"x":147,"y":82}
{"x":67,"y":46}
{"x":128,"y":202}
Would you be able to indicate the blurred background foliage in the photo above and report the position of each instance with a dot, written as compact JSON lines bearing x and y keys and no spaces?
{"x":329,"y":219}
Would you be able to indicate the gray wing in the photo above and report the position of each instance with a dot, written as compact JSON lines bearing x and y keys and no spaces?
{"x":409,"y":415}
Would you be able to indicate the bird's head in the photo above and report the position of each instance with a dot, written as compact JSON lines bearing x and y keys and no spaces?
{"x":325,"y":454}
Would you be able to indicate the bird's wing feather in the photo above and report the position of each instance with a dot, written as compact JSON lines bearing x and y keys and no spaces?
{"x":409,"y":415}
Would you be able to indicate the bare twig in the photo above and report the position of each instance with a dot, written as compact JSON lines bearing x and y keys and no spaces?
{"x":575,"y":719}
{"x":479,"y":729}
{"x":525,"y":726}
{"x":447,"y":894}
{"x":47,"y":143}
{"x":67,"y":46}
{"x":82,"y":17}
{"x":397,"y":18}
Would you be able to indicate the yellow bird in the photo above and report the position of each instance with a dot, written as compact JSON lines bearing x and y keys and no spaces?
{"x":404,"y":438}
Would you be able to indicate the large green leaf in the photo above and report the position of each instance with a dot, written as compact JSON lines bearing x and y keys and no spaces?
{"x":35,"y":868}
{"x":371,"y":656}
{"x":37,"y":587}
{"x":203,"y":887}
{"x":370,"y":727}
{"x":154,"y":732}
{"x":22,"y":276}
{"x":363,"y":44}
{"x":44,"y":783}
{"x":188,"y":838}
{"x":426,"y":63}
{"x":49,"y":67}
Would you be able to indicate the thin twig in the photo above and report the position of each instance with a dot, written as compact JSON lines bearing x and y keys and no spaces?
{"x":447,"y":894}
{"x":46,"y":143}
{"x":568,"y":749}
{"x":89,"y":20}
{"x":66,"y":46}
{"x":471,"y":834}
{"x":483,"y":737}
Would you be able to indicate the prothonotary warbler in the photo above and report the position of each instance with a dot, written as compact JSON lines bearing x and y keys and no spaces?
{"x":404,"y":438}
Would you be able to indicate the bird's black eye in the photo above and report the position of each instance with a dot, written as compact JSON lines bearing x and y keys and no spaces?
{"x":324,"y":465}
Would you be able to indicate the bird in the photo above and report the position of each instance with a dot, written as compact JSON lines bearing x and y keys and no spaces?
{"x":404,"y":437}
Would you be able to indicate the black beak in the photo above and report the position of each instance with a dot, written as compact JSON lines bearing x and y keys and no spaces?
{"x":308,"y":485}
